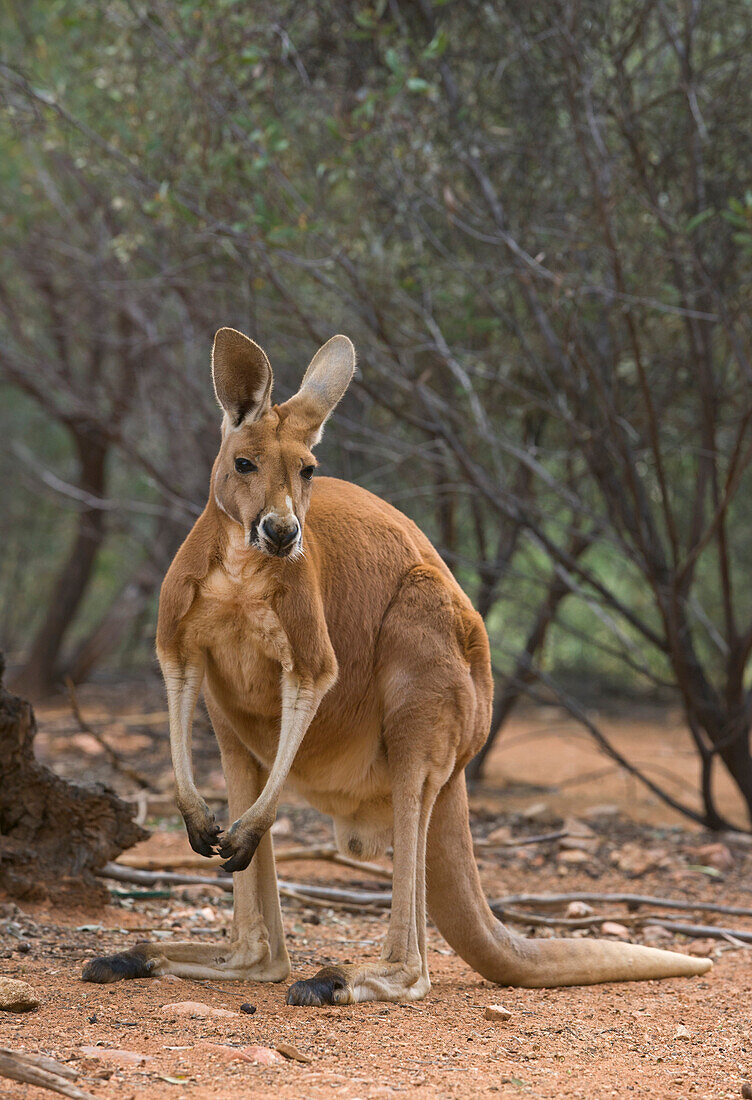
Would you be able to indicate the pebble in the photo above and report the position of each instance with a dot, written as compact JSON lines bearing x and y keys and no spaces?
{"x":577,"y":909}
{"x":195,"y":1008}
{"x":653,"y":933}
{"x":16,"y":996}
{"x":248,"y":1009}
{"x":536,"y":811}
{"x":263,"y":1056}
{"x":715,"y":855}
{"x":227,"y":1054}
{"x":496,"y":1013}
{"x":291,"y":1052}
{"x":746,"y":1090}
{"x":682,"y":1033}
{"x":613,"y":928}
{"x":573,"y":855}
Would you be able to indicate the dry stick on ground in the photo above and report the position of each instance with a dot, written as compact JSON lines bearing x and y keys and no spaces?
{"x":325,"y":852}
{"x":297,"y":890}
{"x":114,"y":758}
{"x":328,"y":854}
{"x":695,"y":931}
{"x":360,"y":899}
{"x":43,"y":1072}
{"x":545,"y":901}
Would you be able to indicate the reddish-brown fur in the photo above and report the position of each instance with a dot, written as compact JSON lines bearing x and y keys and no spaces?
{"x":337,"y":650}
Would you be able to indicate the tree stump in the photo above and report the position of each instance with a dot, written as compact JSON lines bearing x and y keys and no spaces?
{"x":54,"y":835}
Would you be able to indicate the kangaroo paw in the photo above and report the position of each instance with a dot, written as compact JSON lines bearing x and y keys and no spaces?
{"x":238,"y":847}
{"x":203,"y":831}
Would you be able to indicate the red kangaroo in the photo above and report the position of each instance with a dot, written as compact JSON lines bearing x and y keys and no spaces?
{"x":335,"y":649}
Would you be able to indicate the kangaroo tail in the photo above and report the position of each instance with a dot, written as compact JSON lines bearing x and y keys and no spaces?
{"x":459,"y":908}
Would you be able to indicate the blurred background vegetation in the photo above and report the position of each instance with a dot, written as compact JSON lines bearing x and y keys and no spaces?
{"x":535,"y":222}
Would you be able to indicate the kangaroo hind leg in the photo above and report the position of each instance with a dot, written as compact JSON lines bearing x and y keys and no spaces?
{"x":256,"y":948}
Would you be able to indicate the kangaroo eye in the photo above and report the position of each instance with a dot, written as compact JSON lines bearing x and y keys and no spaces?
{"x":307,"y":472}
{"x":245,"y":466}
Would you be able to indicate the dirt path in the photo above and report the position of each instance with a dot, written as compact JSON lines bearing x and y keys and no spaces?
{"x":679,"y":1038}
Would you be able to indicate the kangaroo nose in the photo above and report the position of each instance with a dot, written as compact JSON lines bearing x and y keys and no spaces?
{"x":279,"y":532}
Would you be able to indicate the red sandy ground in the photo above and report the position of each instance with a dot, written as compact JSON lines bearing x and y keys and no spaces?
{"x":596,"y":1042}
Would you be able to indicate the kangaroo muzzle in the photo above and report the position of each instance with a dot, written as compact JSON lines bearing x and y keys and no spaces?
{"x":278,"y":535}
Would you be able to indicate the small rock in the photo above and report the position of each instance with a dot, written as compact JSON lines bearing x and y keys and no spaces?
{"x":281,"y":827}
{"x":577,"y":828}
{"x":655,"y":934}
{"x":16,"y":996}
{"x":536,"y":811}
{"x":682,"y":1033}
{"x":227,"y":1054}
{"x":613,"y":928}
{"x":579,"y":843}
{"x":500,"y":835}
{"x":577,"y":909}
{"x":291,"y":1052}
{"x":195,"y":1008}
{"x":575,"y":855}
{"x":635,"y":860}
{"x":116,"y":1057}
{"x":496,"y":1013}
{"x":715,"y":855}
{"x":247,"y":1008}
{"x":263,"y":1056}
{"x":746,"y":1090}
{"x":702,"y":949}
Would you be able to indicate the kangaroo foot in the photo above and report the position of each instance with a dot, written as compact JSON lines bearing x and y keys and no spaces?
{"x":343,"y":985}
{"x":239,"y":960}
{"x":140,"y":961}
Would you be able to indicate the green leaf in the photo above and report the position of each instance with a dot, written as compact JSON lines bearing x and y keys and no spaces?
{"x":698,"y":219}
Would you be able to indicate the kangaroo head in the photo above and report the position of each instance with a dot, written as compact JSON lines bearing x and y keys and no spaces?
{"x":263,"y":472}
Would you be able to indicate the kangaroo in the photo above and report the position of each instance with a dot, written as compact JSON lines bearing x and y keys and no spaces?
{"x":335,"y":649}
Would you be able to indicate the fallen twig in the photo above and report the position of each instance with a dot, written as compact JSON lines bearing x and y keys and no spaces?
{"x":536,"y":921}
{"x":326,"y":853}
{"x":43,"y":1072}
{"x":331,"y":855}
{"x":114,"y":758}
{"x":544,"y":901}
{"x":694,"y":931}
{"x":506,"y":907}
{"x":701,"y":931}
{"x":519,"y":842}
{"x":298,"y":890}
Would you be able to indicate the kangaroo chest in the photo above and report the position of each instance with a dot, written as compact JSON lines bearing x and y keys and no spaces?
{"x":246,"y":647}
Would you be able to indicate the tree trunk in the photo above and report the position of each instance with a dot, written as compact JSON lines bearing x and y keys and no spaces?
{"x":128,"y":605}
{"x":40,"y":673}
{"x":736,"y":757}
{"x":524,"y":673}
{"x":54,"y":835}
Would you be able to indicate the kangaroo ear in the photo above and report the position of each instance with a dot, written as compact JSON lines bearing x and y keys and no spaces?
{"x":242,"y":376}
{"x":324,"y":383}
